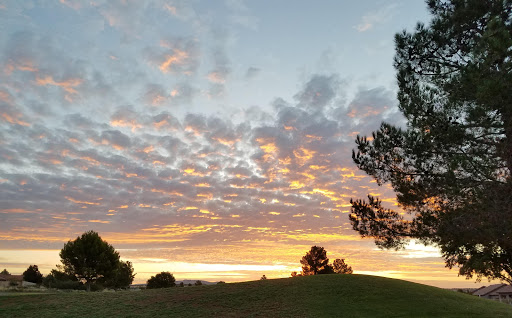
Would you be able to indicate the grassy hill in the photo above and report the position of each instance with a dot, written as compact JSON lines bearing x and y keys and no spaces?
{"x":312,"y":296}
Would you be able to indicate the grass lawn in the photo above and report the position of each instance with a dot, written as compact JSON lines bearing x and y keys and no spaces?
{"x":312,"y":296}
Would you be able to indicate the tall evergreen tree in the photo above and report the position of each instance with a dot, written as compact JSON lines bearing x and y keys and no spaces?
{"x":314,"y":261}
{"x":451,"y":166}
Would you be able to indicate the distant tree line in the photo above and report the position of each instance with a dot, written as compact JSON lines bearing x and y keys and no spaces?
{"x":90,"y":263}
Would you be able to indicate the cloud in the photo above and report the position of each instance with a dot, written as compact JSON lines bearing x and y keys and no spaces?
{"x":165,"y":121}
{"x":76,"y":5}
{"x":126,"y":16}
{"x":116,"y":139}
{"x":156,"y":95}
{"x":126,"y":117}
{"x":218,"y":75}
{"x":168,"y":174}
{"x":19,"y":53}
{"x":319,"y":92}
{"x":175,"y":55}
{"x":180,"y":9}
{"x":9,"y":111}
{"x":379,"y":16}
{"x":252,"y":72}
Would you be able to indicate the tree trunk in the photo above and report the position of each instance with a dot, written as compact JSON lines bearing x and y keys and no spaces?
{"x":88,"y":285}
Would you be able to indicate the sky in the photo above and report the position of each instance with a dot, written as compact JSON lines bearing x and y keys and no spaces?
{"x":211,"y":139}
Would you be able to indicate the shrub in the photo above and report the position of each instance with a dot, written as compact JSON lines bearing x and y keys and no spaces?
{"x":161,"y":280}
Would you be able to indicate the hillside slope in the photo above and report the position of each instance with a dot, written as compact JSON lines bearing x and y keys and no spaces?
{"x":313,"y":296}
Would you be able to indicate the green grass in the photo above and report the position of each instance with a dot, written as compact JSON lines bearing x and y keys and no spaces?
{"x":312,"y":296}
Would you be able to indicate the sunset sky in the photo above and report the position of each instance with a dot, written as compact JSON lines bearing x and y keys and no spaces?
{"x":211,"y":139}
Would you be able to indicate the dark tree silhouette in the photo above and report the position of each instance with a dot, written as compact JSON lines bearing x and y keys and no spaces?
{"x":198,"y":283}
{"x":5,"y":272}
{"x":263,"y":277}
{"x":162,"y":280}
{"x":33,"y":275}
{"x":340,"y":267}
{"x":328,"y":269}
{"x":314,"y":261}
{"x":59,"y":279}
{"x":122,"y":276}
{"x":451,"y":166}
{"x":89,"y":258}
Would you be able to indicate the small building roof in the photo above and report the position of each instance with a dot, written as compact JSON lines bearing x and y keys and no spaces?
{"x":15,"y":278}
{"x":505,"y":290}
{"x":486,"y":291}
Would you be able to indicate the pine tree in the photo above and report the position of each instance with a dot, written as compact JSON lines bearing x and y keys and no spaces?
{"x":451,"y":166}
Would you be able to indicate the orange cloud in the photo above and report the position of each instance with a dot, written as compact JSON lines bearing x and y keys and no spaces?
{"x":131,"y":123}
{"x":15,"y":211}
{"x":99,"y":221}
{"x":171,"y":9}
{"x":317,"y":138}
{"x":178,"y":58}
{"x":22,"y":64}
{"x":225,"y":142}
{"x":158,"y":100}
{"x":68,"y":85}
{"x":267,"y":146}
{"x":81,"y":202}
{"x":14,"y":119}
{"x":296,"y":185}
{"x":303,"y":155}
{"x":164,"y":123}
{"x":167,"y":192}
{"x":207,"y":196}
{"x":193,"y":172}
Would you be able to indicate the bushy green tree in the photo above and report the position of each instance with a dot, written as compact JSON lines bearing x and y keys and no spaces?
{"x":340,"y":267}
{"x":314,"y":261}
{"x":451,"y":166}
{"x":60,"y":280}
{"x":33,"y":275}
{"x":162,"y":280}
{"x":122,"y":276}
{"x":89,"y":258}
